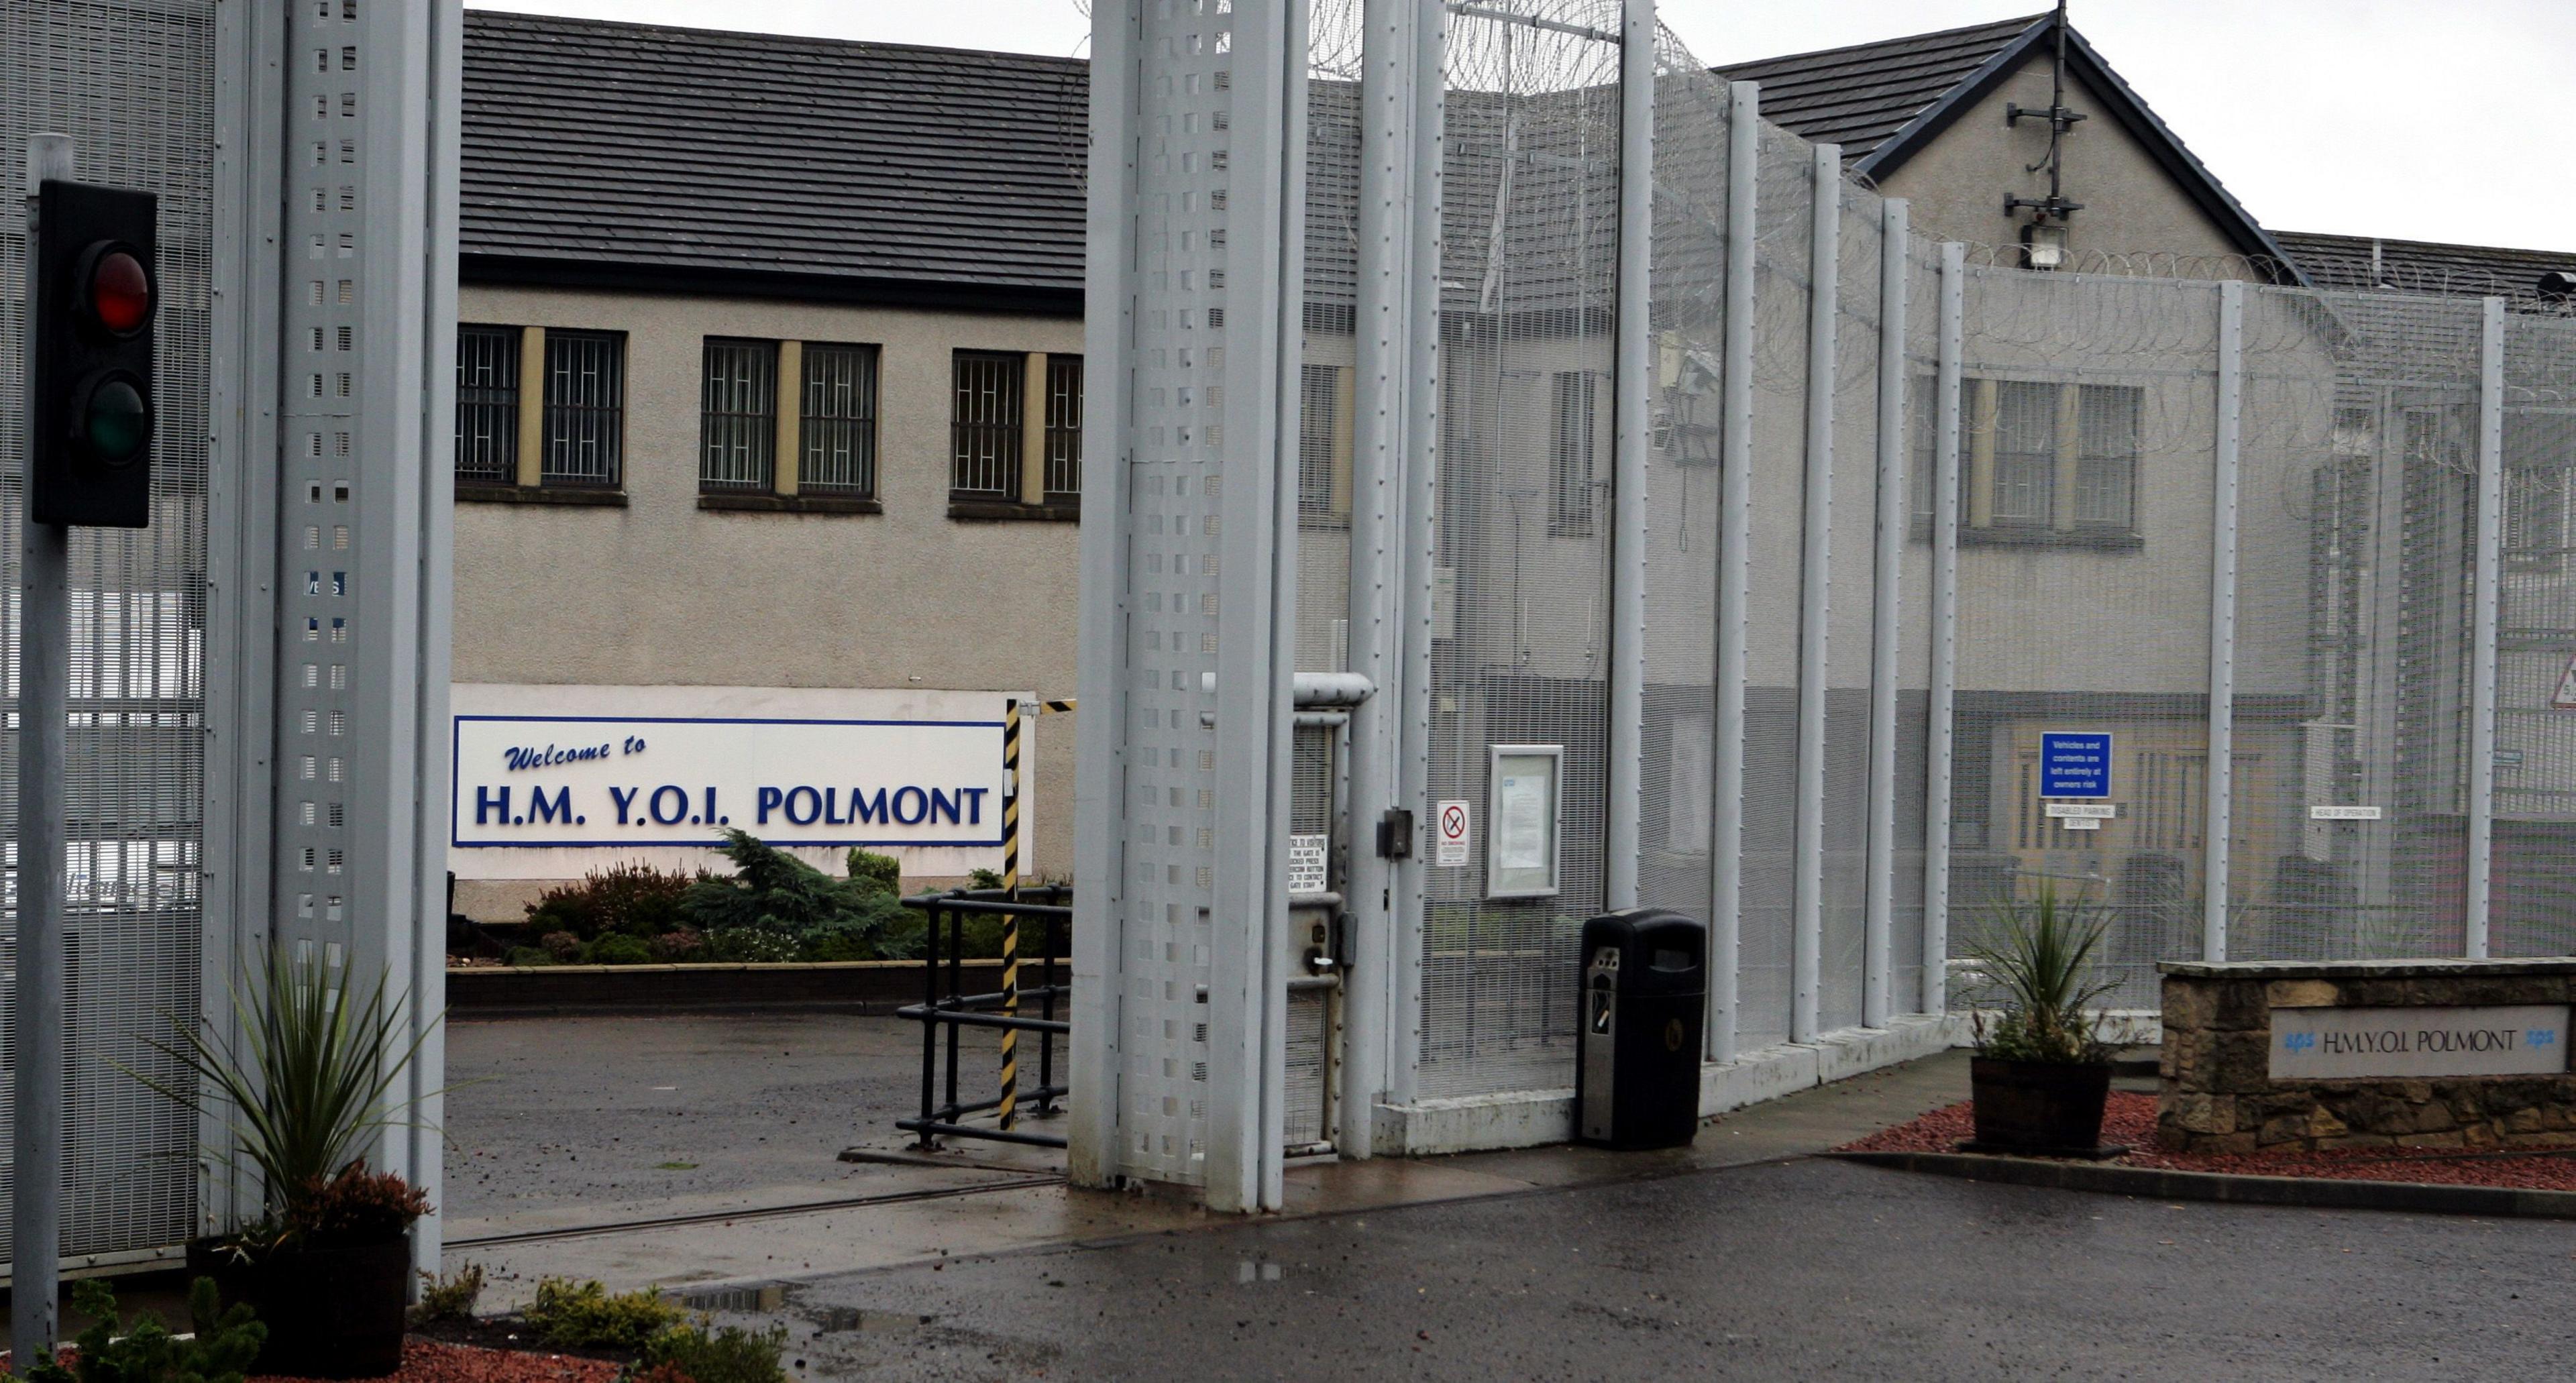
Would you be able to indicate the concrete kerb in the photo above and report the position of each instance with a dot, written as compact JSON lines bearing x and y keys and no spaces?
{"x":2232,"y":1188}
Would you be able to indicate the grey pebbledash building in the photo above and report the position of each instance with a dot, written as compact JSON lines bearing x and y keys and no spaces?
{"x":770,"y":387}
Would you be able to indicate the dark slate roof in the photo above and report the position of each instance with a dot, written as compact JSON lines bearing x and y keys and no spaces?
{"x":1859,"y":96}
{"x":2420,"y":266}
{"x":634,"y":155}
{"x":1884,"y":101}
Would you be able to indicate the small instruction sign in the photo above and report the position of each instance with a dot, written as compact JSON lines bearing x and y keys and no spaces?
{"x":1449,"y":846}
{"x":2075,"y":763}
{"x":1306,"y":862}
{"x":2325,"y":812}
{"x":2564,"y":699}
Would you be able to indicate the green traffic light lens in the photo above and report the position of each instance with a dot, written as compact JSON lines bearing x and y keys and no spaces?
{"x":115,"y":421}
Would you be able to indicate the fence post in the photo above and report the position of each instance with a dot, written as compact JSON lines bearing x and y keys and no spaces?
{"x":1633,"y":376}
{"x":1377,"y":512}
{"x":1815,"y":585}
{"x":2482,"y":658}
{"x":2220,"y":814}
{"x":1420,"y":542}
{"x":1880,"y":926}
{"x":1734,"y":572}
{"x":1947,"y":346}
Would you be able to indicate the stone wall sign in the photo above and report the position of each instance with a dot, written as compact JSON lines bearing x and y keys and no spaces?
{"x":2369,"y":1043}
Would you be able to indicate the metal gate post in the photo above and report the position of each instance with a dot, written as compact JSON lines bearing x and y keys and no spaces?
{"x":1881,"y":923}
{"x":1382,"y":394}
{"x":1420,"y":541}
{"x":1734,"y":573}
{"x":1633,"y":377}
{"x":1095,"y":1133}
{"x":1948,"y":343}
{"x":2222,"y":624}
{"x":1824,"y":279}
{"x":2482,"y":658}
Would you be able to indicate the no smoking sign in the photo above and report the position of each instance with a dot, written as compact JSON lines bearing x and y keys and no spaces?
{"x":1450,"y":850}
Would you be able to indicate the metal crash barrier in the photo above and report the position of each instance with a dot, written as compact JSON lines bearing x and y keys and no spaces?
{"x":946,"y":1008}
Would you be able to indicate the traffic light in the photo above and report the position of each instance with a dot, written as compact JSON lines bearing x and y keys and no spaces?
{"x":97,"y":291}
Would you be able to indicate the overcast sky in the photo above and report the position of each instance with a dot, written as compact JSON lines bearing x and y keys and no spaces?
{"x":2416,"y":119}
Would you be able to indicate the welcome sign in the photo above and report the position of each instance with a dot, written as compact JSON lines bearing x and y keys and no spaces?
{"x":927,"y":775}
{"x":2366,"y":1043}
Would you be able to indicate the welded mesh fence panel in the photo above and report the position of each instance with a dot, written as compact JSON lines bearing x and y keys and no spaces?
{"x":2357,"y":540}
{"x":1529,"y":229}
{"x":1327,"y":383}
{"x":2087,"y":458}
{"x":1784,"y":224}
{"x":1916,"y":628}
{"x":1682,"y":540}
{"x":1851,"y":607}
{"x":2534,"y":908}
{"x":133,"y":86}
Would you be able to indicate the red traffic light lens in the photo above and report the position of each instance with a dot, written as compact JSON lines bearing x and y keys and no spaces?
{"x":120,"y":292}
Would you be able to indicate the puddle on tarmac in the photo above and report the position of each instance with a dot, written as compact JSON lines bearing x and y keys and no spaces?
{"x":1255,"y":1270}
{"x":841,"y":1319}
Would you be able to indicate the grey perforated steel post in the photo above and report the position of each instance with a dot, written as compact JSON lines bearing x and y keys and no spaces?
{"x":2480,"y":902}
{"x":1734,"y":574}
{"x":1880,"y":923}
{"x":1381,"y":393}
{"x":2220,"y":805}
{"x":1103,"y":814}
{"x":1420,"y":543}
{"x":1947,"y":345}
{"x":36,"y":1011}
{"x":1807,"y":922}
{"x":1634,"y":438}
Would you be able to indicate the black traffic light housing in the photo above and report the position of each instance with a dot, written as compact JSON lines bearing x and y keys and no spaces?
{"x":97,"y":293}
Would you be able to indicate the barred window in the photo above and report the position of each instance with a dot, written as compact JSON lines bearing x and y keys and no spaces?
{"x":1064,"y":427}
{"x":487,"y":404}
{"x":1318,"y":390}
{"x":2106,"y":452}
{"x":738,"y":416}
{"x":984,"y":428}
{"x":585,"y":417}
{"x":2025,"y":454}
{"x":838,"y":426}
{"x":1571,"y":452}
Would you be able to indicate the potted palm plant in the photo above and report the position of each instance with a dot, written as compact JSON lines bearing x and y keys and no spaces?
{"x":306,"y":1086}
{"x":2041,"y":1074}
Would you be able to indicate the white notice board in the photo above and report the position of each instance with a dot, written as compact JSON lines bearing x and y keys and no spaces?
{"x":1525,"y":801}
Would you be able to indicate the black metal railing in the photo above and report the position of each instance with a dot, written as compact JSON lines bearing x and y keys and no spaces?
{"x":943,"y":1014}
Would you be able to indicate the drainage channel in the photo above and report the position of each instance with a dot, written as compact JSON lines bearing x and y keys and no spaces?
{"x":766,"y":1212}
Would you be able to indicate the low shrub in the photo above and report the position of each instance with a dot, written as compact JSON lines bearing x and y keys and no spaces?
{"x":450,"y":1297}
{"x":563,"y":946}
{"x":527,"y":955}
{"x":635,"y":899}
{"x":584,"y":1315}
{"x":680,"y":945}
{"x":355,"y":1207}
{"x":142,"y":1350}
{"x":617,"y":948}
{"x":752,"y":945}
{"x":773,"y":891}
{"x":885,"y":871}
{"x":728,"y":1355}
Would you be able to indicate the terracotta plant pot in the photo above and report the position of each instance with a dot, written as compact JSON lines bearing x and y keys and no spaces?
{"x":2038,"y":1106}
{"x":330,"y":1312}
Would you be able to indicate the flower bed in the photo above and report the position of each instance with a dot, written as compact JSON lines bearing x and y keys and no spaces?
{"x":2131,"y":1118}
{"x":433,"y":1361}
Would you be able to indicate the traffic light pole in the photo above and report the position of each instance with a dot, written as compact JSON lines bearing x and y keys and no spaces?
{"x":44,"y":686}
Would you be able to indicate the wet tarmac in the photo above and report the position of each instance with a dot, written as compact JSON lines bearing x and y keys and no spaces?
{"x":1804,"y":1269}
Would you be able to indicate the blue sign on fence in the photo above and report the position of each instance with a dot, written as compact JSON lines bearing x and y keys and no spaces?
{"x":2075,"y":764}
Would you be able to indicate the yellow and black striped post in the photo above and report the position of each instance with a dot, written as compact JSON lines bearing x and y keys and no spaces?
{"x":1009,"y":1107}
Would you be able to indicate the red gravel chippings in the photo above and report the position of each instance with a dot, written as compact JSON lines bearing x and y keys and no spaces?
{"x":2130,"y":1118}
{"x":432,"y":1361}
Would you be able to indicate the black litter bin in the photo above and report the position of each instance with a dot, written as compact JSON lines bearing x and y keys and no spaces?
{"x":1636,"y":1070}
